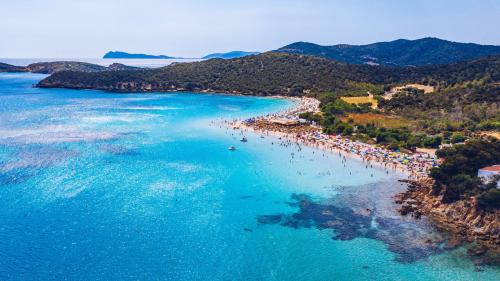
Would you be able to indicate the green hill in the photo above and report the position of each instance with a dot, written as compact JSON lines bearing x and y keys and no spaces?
{"x":426,"y":51}
{"x":272,"y":74}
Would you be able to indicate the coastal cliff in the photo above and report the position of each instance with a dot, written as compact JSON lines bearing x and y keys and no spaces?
{"x":462,"y":219}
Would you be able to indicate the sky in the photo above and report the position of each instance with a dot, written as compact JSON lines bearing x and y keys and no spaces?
{"x":193,"y":28}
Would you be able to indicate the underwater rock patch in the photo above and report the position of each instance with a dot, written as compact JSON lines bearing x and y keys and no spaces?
{"x":401,"y":237}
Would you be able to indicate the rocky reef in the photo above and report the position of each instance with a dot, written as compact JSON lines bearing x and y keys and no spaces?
{"x":421,"y":227}
{"x":462,"y":219}
{"x":408,"y":242}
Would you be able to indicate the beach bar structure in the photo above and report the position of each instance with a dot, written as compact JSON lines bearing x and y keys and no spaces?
{"x":487,"y":173}
{"x":284,"y":122}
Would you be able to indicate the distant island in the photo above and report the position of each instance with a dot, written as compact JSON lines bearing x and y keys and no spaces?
{"x":397,"y":53}
{"x":57,"y":66}
{"x":230,"y":55}
{"x":401,"y":52}
{"x":124,"y":55}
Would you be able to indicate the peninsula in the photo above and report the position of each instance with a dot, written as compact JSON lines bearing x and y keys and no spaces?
{"x":57,"y":66}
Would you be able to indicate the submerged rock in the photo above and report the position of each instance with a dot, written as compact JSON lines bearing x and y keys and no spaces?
{"x":402,"y":238}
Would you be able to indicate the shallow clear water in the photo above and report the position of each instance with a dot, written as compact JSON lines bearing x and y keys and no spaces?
{"x":100,"y":186}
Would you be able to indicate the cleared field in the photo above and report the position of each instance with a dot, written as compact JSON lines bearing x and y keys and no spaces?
{"x":492,"y":134}
{"x":361,"y":100}
{"x":378,"y":120}
{"x":426,"y":89}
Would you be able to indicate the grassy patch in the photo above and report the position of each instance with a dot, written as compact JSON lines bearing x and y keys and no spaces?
{"x":379,"y":120}
{"x":492,"y":134}
{"x":361,"y":100}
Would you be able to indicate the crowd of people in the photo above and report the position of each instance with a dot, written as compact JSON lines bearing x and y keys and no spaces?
{"x":416,"y":165}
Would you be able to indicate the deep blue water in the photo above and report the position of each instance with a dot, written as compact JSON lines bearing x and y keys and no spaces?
{"x":101,"y":186}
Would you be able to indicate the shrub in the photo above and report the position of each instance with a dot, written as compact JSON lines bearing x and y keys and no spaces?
{"x":457,"y":177}
{"x":457,"y":137}
{"x":460,"y":185}
{"x":489,"y":200}
{"x":310,"y":116}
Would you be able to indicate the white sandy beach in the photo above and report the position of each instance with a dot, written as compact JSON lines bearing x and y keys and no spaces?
{"x":415,"y":165}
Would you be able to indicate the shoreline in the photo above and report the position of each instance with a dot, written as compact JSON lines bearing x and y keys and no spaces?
{"x":327,"y":143}
{"x":462,"y":220}
{"x":287,"y":125}
{"x":333,"y":150}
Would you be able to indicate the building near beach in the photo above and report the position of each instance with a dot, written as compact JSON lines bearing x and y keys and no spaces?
{"x":487,"y":173}
{"x":284,"y":122}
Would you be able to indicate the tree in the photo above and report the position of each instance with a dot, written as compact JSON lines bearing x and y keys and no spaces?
{"x":489,"y":200}
{"x":456,"y":177}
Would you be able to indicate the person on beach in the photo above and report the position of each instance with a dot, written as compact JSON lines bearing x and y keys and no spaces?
{"x":416,"y":165}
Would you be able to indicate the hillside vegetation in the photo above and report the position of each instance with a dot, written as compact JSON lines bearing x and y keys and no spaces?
{"x":57,"y":66}
{"x":273,"y":74}
{"x":426,"y":51}
{"x":456,"y":178}
{"x":4,"y":67}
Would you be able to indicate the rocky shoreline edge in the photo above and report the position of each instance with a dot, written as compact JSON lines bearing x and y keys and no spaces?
{"x":461,"y":219}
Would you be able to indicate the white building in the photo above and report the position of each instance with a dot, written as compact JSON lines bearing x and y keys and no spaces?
{"x":487,"y":173}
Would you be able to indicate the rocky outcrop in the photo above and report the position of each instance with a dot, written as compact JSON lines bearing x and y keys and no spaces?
{"x":462,"y":219}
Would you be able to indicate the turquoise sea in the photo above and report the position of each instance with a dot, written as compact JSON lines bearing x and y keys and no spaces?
{"x":102,"y":186}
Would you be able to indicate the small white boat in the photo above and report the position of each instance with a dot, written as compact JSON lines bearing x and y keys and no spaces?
{"x":232,"y":148}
